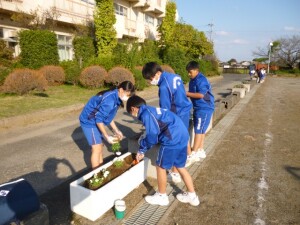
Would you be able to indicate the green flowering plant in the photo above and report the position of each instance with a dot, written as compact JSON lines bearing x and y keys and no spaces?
{"x":98,"y":178}
{"x":116,"y":148}
{"x":118,"y":162}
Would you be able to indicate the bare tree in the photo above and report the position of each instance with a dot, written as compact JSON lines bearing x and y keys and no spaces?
{"x":285,"y":51}
{"x":288,"y":51}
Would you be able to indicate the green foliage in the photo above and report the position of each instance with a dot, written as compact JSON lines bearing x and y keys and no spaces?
{"x":126,"y":55}
{"x":22,"y":81}
{"x":72,"y":71}
{"x":140,"y":82}
{"x":175,"y":57}
{"x":104,"y":19}
{"x":84,"y":48}
{"x":38,"y":48}
{"x":149,"y":52}
{"x":4,"y":71}
{"x":193,"y":42}
{"x":6,"y":54}
{"x":167,"y":26}
{"x":105,"y":61}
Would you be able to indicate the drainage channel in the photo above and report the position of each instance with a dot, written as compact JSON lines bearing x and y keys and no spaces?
{"x":147,"y":214}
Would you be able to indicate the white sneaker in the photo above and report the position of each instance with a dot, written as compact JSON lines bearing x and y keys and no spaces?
{"x":200,"y":154}
{"x":157,"y":199}
{"x":174,"y":177}
{"x":190,"y":159}
{"x":186,"y":198}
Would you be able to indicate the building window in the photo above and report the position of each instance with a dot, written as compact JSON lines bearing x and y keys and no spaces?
{"x":149,"y":19}
{"x":64,"y":47}
{"x":91,"y":2}
{"x":120,"y":10}
{"x":1,"y":33}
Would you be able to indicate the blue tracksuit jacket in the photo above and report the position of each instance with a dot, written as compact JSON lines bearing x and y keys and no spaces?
{"x":100,"y":109}
{"x":162,"y":126}
{"x":172,"y":94}
{"x":200,"y":84}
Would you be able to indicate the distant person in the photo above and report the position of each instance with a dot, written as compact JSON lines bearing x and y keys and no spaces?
{"x":166,"y":128}
{"x":202,"y":99}
{"x":100,"y":112}
{"x":251,"y":71}
{"x":263,"y":75}
{"x":172,"y":96}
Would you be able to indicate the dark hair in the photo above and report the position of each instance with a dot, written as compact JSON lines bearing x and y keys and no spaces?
{"x":192,"y":65}
{"x":134,"y":101}
{"x":150,"y":69}
{"x":125,"y":85}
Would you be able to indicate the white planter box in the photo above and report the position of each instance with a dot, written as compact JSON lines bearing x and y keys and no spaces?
{"x":247,"y":86}
{"x":93,"y":204}
{"x":242,"y":91}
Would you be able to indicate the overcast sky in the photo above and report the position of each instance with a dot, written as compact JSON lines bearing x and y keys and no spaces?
{"x":239,"y":27}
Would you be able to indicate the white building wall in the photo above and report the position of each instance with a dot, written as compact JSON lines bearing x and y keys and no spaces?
{"x":140,"y":21}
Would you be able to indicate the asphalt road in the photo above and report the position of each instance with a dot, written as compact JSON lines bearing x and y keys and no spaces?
{"x":52,"y":152}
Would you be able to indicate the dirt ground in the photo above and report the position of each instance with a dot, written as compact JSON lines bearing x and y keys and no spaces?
{"x":253,"y":176}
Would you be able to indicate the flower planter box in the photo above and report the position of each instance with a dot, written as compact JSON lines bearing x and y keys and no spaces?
{"x":93,"y":204}
{"x":247,"y":86}
{"x":242,"y":91}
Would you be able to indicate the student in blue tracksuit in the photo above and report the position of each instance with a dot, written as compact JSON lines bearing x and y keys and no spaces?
{"x":164,"y":127}
{"x":172,"y":96}
{"x":202,"y":99}
{"x":100,"y":112}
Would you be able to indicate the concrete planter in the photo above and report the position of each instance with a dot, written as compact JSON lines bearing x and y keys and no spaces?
{"x":247,"y":86}
{"x":241,"y":91}
{"x":93,"y":204}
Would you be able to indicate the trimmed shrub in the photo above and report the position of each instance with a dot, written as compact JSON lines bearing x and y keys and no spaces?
{"x":119,"y":74}
{"x":38,"y":48}
{"x":93,"y":77}
{"x":22,"y":81}
{"x":55,"y":75}
{"x":167,"y":68}
{"x":140,"y":82}
{"x":72,"y":71}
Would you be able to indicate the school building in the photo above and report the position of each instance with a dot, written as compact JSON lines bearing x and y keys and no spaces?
{"x":136,"y":19}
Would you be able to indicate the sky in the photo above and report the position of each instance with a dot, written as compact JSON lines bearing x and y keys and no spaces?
{"x":240,"y":27}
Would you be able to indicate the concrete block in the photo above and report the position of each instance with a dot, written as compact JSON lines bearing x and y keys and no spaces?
{"x":40,"y":217}
{"x":242,"y":91}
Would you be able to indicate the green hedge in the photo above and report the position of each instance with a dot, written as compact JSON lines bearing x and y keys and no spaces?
{"x":84,"y":48}
{"x":38,"y":48}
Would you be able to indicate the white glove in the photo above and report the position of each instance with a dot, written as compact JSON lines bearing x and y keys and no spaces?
{"x":111,"y":139}
{"x":119,"y":134}
{"x":141,"y":138}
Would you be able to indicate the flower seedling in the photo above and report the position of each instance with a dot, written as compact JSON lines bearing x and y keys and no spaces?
{"x":118,"y":162}
{"x":116,"y":148}
{"x":98,"y":178}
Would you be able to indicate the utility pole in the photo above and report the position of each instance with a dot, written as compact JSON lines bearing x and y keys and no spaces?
{"x":210,"y":31}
